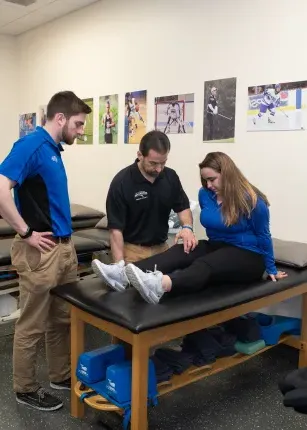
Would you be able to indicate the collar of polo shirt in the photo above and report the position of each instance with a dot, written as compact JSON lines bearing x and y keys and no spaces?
{"x":49,"y":138}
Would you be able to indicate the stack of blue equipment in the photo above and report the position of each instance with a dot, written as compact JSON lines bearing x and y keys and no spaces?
{"x":256,"y":330}
{"x":92,"y":365}
{"x":273,"y":326}
{"x":107,"y":373}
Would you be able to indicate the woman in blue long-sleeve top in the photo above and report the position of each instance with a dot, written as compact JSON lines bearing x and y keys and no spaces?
{"x":239,"y":248}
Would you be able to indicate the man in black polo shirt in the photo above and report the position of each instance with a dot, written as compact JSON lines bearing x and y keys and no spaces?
{"x":42,"y":252}
{"x":139,"y":203}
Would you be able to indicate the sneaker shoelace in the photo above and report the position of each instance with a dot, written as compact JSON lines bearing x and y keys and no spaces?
{"x":154,"y":272}
{"x":41,"y":393}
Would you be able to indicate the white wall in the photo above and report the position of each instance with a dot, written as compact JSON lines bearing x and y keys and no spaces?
{"x":8,"y":93}
{"x":168,"y":46}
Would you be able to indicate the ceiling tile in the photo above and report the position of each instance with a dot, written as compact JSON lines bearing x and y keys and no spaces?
{"x":24,"y":23}
{"x":38,"y":5}
{"x":10,"y":13}
{"x":15,"y":19}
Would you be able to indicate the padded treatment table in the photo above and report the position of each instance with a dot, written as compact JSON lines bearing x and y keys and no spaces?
{"x":86,"y":244}
{"x":5,"y":229}
{"x":128,"y":318}
{"x":84,"y":223}
{"x":84,"y":216}
{"x":85,"y":248}
{"x":100,"y":235}
{"x":83,"y":245}
{"x":8,"y":276}
{"x":78,"y":224}
{"x":5,"y":252}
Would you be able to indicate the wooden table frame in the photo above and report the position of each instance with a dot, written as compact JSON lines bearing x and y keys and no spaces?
{"x":142,"y":342}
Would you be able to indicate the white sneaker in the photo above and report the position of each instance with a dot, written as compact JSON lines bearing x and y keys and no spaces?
{"x":112,"y":274}
{"x":149,"y":284}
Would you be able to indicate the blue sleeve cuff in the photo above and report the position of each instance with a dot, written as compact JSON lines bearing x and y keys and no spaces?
{"x":271,"y":268}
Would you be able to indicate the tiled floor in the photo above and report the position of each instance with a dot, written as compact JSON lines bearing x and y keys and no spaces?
{"x":243,"y":398}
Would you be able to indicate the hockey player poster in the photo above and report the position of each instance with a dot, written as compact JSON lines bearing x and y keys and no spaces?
{"x":135,"y":116}
{"x":277,"y":106}
{"x":219,"y":110}
{"x":27,"y":123}
{"x":175,"y":114}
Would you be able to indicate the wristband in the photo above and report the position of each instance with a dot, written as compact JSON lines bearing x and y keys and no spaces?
{"x":28,"y":233}
{"x":189,"y":227}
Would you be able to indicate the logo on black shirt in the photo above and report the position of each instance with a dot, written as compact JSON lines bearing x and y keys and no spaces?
{"x":141,"y":195}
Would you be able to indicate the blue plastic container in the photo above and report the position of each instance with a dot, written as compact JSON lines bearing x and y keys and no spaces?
{"x":92,"y":366}
{"x":119,"y":381}
{"x":272,"y":327}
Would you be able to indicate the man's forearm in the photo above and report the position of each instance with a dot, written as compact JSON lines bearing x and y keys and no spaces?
{"x":117,"y":245}
{"x":186,"y":217}
{"x":10,"y":213}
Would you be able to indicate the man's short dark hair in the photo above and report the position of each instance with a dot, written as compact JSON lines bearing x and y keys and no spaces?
{"x":155,"y":140}
{"x":68,"y":103}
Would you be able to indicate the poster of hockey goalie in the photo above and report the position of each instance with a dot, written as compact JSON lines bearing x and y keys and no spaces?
{"x":175,"y":114}
{"x":277,"y":106}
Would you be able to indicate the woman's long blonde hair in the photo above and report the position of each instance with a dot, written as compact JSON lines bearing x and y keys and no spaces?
{"x":238,"y":194}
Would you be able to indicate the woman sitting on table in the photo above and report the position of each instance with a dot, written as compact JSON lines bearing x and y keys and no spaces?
{"x":235,"y":215}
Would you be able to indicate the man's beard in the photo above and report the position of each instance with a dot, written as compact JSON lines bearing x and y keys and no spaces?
{"x":150,"y":172}
{"x":153,"y":174}
{"x":65,"y":136}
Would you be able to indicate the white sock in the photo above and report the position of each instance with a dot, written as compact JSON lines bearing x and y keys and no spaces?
{"x":121,"y":263}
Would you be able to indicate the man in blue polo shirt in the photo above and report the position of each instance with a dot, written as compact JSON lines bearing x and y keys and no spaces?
{"x":42,"y":251}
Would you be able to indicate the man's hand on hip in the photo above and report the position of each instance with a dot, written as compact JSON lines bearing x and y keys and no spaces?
{"x":40,"y":241}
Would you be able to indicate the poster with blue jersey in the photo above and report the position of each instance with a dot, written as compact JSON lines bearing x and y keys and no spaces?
{"x":277,"y":106}
{"x":27,"y":124}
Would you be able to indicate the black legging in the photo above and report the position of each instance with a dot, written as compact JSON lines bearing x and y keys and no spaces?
{"x":213,"y":262}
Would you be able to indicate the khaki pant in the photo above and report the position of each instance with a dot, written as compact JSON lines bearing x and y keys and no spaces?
{"x":133,"y":253}
{"x":41,"y":314}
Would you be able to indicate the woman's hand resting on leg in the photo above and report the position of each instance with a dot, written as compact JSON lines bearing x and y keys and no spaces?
{"x":280,"y":275}
{"x":189,"y":240}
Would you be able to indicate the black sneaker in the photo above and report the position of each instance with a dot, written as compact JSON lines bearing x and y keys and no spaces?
{"x":64,"y":385}
{"x":40,"y":399}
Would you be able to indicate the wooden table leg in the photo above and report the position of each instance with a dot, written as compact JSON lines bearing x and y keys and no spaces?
{"x":140,"y":357}
{"x":303,"y":351}
{"x":77,"y":348}
{"x":115,"y":340}
{"x":127,"y":346}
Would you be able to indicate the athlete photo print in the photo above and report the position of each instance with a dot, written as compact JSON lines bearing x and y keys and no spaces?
{"x":175,"y":114}
{"x":277,"y":106}
{"x":219,"y":110}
